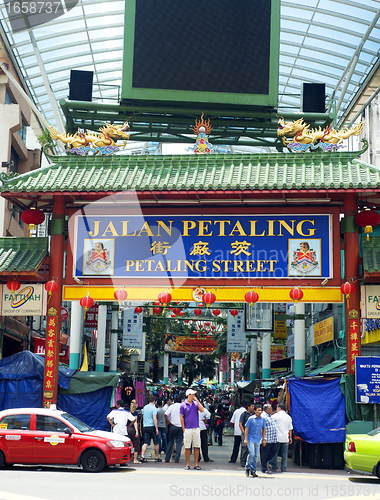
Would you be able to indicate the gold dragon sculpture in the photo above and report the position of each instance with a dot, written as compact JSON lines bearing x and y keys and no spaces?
{"x":300,"y":132}
{"x":107,"y":136}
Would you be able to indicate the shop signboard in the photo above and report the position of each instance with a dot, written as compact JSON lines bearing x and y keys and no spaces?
{"x":367,"y":376}
{"x":276,"y":352}
{"x":132,"y":329}
{"x":192,"y":344}
{"x":236,"y":338}
{"x":280,"y":328}
{"x":203,"y":246}
{"x":370,"y":301}
{"x":324,"y":331}
{"x":28,"y":300}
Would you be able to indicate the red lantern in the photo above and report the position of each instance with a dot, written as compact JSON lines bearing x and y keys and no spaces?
{"x":209,"y":298}
{"x":138,"y":310}
{"x":197,"y":312}
{"x":216,"y":312}
{"x":347,"y":288}
{"x":200,"y":304}
{"x":251,"y":297}
{"x":86,"y":302}
{"x":157,"y":310}
{"x":180,"y":313}
{"x":32,"y":216}
{"x":296,"y":294}
{"x":234,"y":312}
{"x":176,"y":310}
{"x":173,"y":315}
{"x":13,"y":285}
{"x":367,"y":219}
{"x":164,"y":297}
{"x":51,"y":287}
{"x":157,"y":303}
{"x":120,"y":295}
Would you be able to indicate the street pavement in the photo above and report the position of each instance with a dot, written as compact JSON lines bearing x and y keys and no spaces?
{"x":221,"y":456}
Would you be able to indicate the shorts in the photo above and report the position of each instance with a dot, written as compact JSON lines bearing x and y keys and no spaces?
{"x":192,"y":436}
{"x":148,"y":434}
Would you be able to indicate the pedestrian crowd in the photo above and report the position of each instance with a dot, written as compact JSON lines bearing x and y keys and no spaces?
{"x":258,"y":431}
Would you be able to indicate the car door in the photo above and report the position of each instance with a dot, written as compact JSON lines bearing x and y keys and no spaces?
{"x":50,"y":443}
{"x":16,"y":438}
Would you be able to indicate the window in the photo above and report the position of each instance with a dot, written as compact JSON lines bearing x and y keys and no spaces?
{"x":15,"y":422}
{"x":22,"y":131}
{"x":49,"y":424}
{"x":8,"y":97}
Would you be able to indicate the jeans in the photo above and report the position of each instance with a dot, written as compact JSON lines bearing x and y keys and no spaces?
{"x":253,"y":453}
{"x":267,"y":452}
{"x":235,"y":451}
{"x":282,"y":451}
{"x":175,"y":436}
{"x":243,"y":453}
{"x":219,"y":433}
{"x":162,"y":439}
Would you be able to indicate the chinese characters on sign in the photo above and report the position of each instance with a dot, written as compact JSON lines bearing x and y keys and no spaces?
{"x":132,"y":329}
{"x":354,"y":344}
{"x":190,"y":344}
{"x":202,"y":246}
{"x":236,"y":341}
{"x":324,"y":331}
{"x":51,"y":339}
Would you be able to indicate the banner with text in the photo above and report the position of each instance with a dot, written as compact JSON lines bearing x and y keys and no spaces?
{"x":206,"y":246}
{"x":132,"y":329}
{"x":193,"y":344}
{"x":28,"y":300}
{"x":236,"y":338}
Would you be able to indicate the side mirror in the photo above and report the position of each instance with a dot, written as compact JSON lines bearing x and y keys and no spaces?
{"x":68,"y":431}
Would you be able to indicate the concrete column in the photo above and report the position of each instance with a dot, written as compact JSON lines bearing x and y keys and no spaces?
{"x":180,"y":374}
{"x":266,"y":354}
{"x":232,"y":372}
{"x":253,"y":362}
{"x":299,"y":341}
{"x":114,"y":336}
{"x":101,"y":342}
{"x":166,"y":368}
{"x":76,"y":324}
{"x":221,"y":378}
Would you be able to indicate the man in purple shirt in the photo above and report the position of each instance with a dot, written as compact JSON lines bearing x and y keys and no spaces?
{"x":190,"y":425}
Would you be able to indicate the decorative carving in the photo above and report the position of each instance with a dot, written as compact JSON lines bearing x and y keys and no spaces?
{"x":52,"y":311}
{"x":353,"y":314}
{"x":202,"y":129}
{"x":94,"y":142}
{"x":303,"y":137}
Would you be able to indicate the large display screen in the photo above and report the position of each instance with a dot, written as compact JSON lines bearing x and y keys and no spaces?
{"x":214,"y":47}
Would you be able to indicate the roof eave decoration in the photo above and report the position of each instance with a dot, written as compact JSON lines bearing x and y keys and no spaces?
{"x":233,"y":172}
{"x":22,"y":255}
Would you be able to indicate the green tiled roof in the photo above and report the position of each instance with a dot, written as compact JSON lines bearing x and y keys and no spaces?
{"x":371,"y":254}
{"x":198,"y":172}
{"x":22,"y":254}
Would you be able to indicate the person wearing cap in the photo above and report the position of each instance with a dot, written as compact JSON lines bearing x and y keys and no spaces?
{"x":190,"y":425}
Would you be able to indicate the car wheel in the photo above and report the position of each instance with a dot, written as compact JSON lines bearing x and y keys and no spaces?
{"x":93,"y":461}
{"x":378,"y":470}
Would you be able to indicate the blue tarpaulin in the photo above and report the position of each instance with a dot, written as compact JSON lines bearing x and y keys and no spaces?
{"x":21,"y":381}
{"x":21,"y":377}
{"x":317,"y":409}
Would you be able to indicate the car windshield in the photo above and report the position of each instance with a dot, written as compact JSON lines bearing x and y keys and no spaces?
{"x":81,"y":426}
{"x":374,"y":432}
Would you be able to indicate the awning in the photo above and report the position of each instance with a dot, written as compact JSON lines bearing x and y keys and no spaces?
{"x":335,"y":367}
{"x":22,"y":257}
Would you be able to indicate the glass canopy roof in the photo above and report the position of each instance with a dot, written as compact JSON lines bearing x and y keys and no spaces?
{"x":335,"y":42}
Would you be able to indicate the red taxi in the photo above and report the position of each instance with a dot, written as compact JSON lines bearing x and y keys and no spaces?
{"x":41,"y":436}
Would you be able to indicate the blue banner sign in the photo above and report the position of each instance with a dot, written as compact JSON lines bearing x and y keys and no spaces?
{"x":367,"y":371}
{"x":203,"y":246}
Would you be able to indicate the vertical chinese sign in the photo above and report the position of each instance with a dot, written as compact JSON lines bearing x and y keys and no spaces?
{"x":51,"y":363}
{"x":353,"y":341}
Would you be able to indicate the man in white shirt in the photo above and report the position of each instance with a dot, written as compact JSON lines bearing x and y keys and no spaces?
{"x":204,"y":417}
{"x":175,"y":433}
{"x":119,"y":418}
{"x":237,"y":432}
{"x":284,"y":425}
